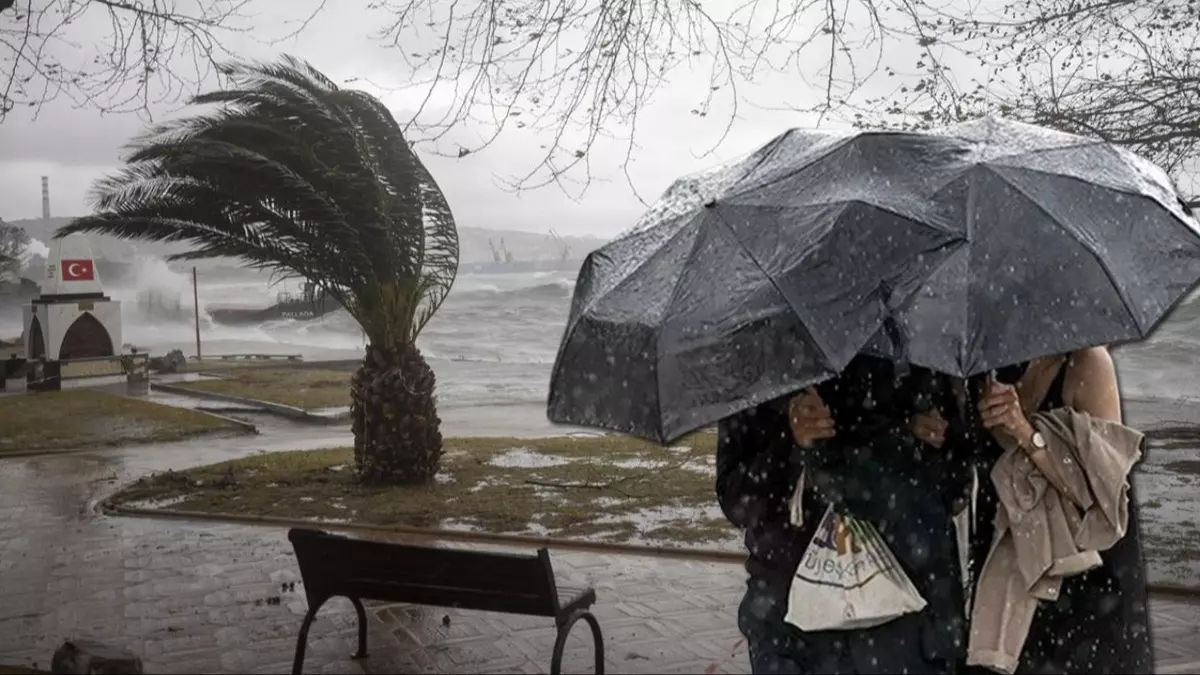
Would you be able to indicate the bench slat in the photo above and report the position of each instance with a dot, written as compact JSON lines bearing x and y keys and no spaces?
{"x":443,"y":596}
{"x":335,"y":565}
{"x":358,"y":569}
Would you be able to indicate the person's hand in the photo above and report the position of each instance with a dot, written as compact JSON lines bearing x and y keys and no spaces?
{"x":1002,"y":414}
{"x":810,"y":418}
{"x":929,"y":427}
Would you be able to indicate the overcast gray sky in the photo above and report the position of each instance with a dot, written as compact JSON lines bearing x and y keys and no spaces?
{"x":76,"y":146}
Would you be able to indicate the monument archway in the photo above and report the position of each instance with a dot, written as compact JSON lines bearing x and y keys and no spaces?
{"x":37,"y":339}
{"x":86,"y":338}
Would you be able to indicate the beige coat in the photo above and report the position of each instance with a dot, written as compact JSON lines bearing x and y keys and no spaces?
{"x":1042,"y":535}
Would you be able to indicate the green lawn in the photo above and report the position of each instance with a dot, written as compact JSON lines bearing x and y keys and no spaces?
{"x":610,"y":488}
{"x":75,"y":418}
{"x":306,"y":388}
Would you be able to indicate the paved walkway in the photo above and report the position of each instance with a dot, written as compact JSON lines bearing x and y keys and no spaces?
{"x":208,"y":598}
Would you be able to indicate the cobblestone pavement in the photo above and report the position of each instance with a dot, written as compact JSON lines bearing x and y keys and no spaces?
{"x":200,"y":597}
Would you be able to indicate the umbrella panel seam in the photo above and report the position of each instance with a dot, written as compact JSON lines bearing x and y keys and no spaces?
{"x":1192,"y":231}
{"x":821,"y":348}
{"x":833,"y":147}
{"x":1100,"y":259}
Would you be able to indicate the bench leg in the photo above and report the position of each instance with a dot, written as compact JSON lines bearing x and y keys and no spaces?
{"x":564,"y":631}
{"x":302,"y":641}
{"x":362,"y":628}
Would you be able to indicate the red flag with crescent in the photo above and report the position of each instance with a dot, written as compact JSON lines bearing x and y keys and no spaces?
{"x":78,"y":270}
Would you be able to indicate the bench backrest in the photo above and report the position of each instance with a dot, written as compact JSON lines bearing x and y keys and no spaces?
{"x":333,"y":565}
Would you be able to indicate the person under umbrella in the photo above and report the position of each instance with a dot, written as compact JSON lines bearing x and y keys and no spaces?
{"x":1099,"y":622}
{"x":870,"y":451}
{"x":984,"y":244}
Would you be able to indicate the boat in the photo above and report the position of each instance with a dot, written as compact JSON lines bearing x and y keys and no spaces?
{"x":308,"y":305}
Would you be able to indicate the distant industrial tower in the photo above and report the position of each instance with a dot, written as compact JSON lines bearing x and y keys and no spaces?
{"x":45,"y":198}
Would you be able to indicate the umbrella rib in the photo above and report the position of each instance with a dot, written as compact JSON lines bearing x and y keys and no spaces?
{"x":821,"y":348}
{"x":1133,"y":193}
{"x":833,"y":147}
{"x":1104,"y":265}
{"x":1038,"y":151}
{"x":633,"y":270}
{"x":656,"y":331}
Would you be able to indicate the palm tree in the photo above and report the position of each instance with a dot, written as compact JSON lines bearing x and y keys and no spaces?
{"x":295,"y":175}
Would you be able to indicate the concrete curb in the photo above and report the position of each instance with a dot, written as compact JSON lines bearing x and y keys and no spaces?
{"x":248,"y":427}
{"x":514,"y":540}
{"x":290,"y":412}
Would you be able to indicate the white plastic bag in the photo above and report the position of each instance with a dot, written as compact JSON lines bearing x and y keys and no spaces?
{"x":848,"y":578}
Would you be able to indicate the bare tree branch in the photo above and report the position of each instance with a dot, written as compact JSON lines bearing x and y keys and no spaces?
{"x":1127,"y":71}
{"x":14,"y":244}
{"x":574,"y":72}
{"x":116,"y":55}
{"x":570,"y":74}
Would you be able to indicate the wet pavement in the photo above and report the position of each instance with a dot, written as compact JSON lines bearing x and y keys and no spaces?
{"x":204,"y":597}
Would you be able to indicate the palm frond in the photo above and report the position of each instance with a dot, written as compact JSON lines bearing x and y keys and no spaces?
{"x":297,"y":176}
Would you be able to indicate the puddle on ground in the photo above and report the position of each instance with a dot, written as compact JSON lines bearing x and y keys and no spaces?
{"x":331,"y":412}
{"x":457,"y":525}
{"x":524,"y":458}
{"x":482,"y":485}
{"x":633,"y":463}
{"x":654,"y":517}
{"x":165,"y":503}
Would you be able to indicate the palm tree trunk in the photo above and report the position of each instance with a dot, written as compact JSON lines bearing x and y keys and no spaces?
{"x":397,"y":432}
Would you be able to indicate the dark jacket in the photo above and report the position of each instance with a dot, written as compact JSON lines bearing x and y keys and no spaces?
{"x":758,"y":462}
{"x":873,"y":469}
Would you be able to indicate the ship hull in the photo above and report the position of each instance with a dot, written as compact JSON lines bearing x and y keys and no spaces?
{"x":300,"y":310}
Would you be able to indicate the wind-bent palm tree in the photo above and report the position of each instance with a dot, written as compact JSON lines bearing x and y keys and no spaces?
{"x":296,"y":175}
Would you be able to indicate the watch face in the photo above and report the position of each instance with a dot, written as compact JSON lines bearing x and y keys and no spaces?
{"x":1038,"y":440}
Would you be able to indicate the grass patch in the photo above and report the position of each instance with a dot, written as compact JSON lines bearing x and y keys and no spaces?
{"x":307,"y":388}
{"x":609,"y":488}
{"x":214,"y":364}
{"x":75,"y":418}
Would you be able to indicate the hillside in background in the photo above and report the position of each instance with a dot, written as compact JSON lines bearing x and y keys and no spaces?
{"x":473,"y":241}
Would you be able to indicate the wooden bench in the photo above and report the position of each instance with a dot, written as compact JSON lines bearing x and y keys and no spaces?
{"x":358,"y":569}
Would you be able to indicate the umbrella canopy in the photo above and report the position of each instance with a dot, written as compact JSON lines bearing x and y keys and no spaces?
{"x":977,"y":246}
{"x":729,"y":293}
{"x":1070,"y":243}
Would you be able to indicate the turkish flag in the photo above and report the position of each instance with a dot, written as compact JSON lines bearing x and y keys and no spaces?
{"x":78,"y":270}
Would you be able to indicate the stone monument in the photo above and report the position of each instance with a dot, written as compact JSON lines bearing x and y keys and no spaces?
{"x":72,"y":318}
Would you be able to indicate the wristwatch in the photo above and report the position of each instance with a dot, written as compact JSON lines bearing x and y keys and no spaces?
{"x":1037,"y":441}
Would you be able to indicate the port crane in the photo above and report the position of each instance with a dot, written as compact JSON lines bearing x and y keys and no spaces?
{"x":564,"y":249}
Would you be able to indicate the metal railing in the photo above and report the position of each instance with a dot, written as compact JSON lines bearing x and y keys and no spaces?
{"x":45,"y":375}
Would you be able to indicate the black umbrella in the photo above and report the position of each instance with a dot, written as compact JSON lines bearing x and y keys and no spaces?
{"x":1071,"y":242}
{"x":710,"y":307}
{"x":980,"y":245}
